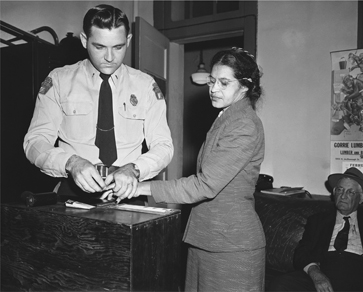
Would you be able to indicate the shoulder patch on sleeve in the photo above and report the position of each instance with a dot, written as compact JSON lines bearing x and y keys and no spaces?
{"x":46,"y":85}
{"x":159,"y":95}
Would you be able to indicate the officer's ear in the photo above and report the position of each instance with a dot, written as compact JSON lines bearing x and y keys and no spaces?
{"x":83,"y":38}
{"x":129,"y":37}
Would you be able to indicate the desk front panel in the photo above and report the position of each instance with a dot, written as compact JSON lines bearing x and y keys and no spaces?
{"x":53,"y":248}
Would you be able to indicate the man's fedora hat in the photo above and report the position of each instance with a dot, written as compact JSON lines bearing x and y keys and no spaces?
{"x":352,"y":173}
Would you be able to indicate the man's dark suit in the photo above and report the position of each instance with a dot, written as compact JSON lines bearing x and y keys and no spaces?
{"x":314,"y":245}
{"x":317,"y":235}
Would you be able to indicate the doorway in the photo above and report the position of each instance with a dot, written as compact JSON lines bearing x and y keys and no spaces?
{"x":198,"y":111}
{"x":199,"y":114}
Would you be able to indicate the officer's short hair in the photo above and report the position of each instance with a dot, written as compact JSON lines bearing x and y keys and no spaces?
{"x":105,"y":16}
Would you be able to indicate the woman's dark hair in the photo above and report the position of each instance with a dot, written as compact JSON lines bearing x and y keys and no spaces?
{"x":245,"y":70}
{"x":105,"y":16}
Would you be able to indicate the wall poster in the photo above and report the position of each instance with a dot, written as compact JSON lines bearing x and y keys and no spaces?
{"x":346,"y":130}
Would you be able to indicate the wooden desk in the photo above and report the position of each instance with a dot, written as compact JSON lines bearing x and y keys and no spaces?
{"x":54,"y":248}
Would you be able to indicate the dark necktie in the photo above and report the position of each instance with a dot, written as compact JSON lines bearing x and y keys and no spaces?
{"x":341,"y":241}
{"x":105,"y":136}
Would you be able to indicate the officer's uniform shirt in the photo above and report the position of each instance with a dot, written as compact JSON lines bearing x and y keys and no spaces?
{"x":67,"y":107}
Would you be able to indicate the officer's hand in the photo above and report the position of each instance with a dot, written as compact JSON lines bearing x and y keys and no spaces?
{"x":122,"y":182}
{"x":84,"y":174}
{"x":321,"y":282}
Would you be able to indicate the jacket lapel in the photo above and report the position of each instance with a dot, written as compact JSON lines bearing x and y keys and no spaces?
{"x":328,"y":229}
{"x":360,"y":222}
{"x":212,"y":136}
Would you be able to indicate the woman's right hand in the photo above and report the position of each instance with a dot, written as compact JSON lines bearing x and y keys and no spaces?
{"x":143,"y":188}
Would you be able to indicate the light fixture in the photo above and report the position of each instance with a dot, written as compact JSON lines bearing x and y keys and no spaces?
{"x":200,"y":77}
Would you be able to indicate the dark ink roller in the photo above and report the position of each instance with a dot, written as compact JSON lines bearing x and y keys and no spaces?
{"x":41,"y":199}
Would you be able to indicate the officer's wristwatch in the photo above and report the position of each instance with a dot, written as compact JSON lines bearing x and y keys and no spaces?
{"x":136,"y":170}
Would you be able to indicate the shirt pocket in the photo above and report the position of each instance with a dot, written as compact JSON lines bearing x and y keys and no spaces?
{"x":130,"y":123}
{"x":132,"y":112}
{"x":78,"y":123}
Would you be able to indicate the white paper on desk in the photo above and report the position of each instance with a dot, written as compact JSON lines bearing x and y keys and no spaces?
{"x":79,"y":205}
{"x":138,"y":208}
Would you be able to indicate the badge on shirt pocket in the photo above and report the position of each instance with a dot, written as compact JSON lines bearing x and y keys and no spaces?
{"x":133,"y":100}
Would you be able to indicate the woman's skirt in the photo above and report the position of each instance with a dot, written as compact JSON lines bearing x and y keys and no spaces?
{"x":225,"y":271}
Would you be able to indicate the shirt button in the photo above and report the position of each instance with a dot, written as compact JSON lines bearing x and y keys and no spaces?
{"x":74,"y":111}
{"x":134,"y":116}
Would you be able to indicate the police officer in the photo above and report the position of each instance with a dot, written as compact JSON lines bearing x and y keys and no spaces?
{"x":67,"y":111}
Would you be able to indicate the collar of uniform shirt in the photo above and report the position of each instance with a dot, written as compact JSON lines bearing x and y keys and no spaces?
{"x":95,"y":73}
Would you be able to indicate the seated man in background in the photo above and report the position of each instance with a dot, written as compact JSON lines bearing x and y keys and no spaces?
{"x":329,"y":256}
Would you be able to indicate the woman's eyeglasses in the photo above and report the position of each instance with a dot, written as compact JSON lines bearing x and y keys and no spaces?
{"x":223,"y":82}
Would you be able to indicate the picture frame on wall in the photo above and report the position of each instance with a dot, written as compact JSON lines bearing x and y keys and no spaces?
{"x":346,"y":129}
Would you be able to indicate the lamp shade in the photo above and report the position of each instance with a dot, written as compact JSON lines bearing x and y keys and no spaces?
{"x":200,"y":77}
